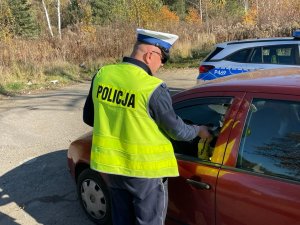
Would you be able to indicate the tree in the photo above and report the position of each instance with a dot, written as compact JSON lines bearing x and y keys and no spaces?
{"x":53,"y":13}
{"x":25,"y":23}
{"x":58,"y":19}
{"x":6,"y":21}
{"x":167,"y":16}
{"x":74,"y":13}
{"x":180,"y":7}
{"x":246,"y":5}
{"x":140,"y":12}
{"x":47,"y":18}
{"x":101,"y":11}
{"x":193,"y":17}
{"x":197,"y":4}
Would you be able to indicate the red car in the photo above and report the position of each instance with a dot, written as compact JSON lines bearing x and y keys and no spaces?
{"x":249,"y":173}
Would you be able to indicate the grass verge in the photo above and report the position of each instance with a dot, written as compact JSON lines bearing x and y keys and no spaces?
{"x":24,"y":79}
{"x":21,"y":80}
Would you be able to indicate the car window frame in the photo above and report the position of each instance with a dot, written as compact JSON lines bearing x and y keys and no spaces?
{"x":237,"y":131}
{"x":269,"y":106}
{"x":237,"y":98}
{"x":213,"y":53}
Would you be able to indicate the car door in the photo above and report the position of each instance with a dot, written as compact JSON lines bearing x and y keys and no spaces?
{"x":192,"y":194}
{"x":259,"y":182}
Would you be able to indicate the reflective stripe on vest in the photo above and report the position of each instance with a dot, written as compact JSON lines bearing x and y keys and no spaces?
{"x":126,"y":140}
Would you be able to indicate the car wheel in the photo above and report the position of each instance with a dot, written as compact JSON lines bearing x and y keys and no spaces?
{"x":94,"y":197}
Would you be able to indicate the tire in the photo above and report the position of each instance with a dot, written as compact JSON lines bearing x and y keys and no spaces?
{"x":94,"y":197}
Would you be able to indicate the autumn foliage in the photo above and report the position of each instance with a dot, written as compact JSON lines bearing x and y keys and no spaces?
{"x":193,"y":17}
{"x":250,"y":17}
{"x":95,"y":32}
{"x":167,"y":16}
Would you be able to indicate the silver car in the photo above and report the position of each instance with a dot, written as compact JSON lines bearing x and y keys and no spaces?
{"x":235,"y":57}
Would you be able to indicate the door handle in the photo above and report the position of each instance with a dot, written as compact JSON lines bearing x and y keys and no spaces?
{"x":197,"y":184}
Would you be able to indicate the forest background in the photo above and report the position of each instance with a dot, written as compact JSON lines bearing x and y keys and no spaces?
{"x":45,"y":43}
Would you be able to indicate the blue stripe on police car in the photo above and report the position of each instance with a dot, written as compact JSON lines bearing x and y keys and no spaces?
{"x":221,"y":72}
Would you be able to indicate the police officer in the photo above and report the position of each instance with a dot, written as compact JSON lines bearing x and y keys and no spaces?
{"x":133,"y":119}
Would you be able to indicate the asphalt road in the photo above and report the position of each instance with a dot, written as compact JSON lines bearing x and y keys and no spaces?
{"x":35,"y":132}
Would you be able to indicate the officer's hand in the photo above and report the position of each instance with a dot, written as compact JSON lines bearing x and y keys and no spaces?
{"x":204,"y":133}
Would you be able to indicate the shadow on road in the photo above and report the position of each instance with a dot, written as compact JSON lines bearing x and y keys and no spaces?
{"x":40,"y":191}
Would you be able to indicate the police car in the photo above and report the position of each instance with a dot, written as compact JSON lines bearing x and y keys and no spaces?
{"x":251,"y":54}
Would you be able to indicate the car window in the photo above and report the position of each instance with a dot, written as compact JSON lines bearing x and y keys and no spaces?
{"x":274,"y":54}
{"x":271,"y":139}
{"x":280,"y":54}
{"x":205,"y":111}
{"x":213,"y":53}
{"x":240,"y":56}
{"x":256,"y":55}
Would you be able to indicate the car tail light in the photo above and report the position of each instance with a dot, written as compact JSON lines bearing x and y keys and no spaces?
{"x":205,"y":68}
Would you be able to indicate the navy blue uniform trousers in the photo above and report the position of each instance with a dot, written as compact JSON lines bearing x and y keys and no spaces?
{"x":138,"y":201}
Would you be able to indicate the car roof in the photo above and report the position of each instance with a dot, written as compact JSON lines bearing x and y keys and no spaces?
{"x":283,"y":80}
{"x":258,"y":40}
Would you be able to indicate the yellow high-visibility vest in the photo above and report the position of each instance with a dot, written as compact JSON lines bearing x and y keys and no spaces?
{"x":126,"y":140}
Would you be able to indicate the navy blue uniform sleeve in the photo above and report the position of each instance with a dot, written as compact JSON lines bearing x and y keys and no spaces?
{"x":88,"y":109}
{"x":161,"y":110}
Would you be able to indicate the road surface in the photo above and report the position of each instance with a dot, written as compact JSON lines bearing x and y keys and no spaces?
{"x":35,"y":132}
